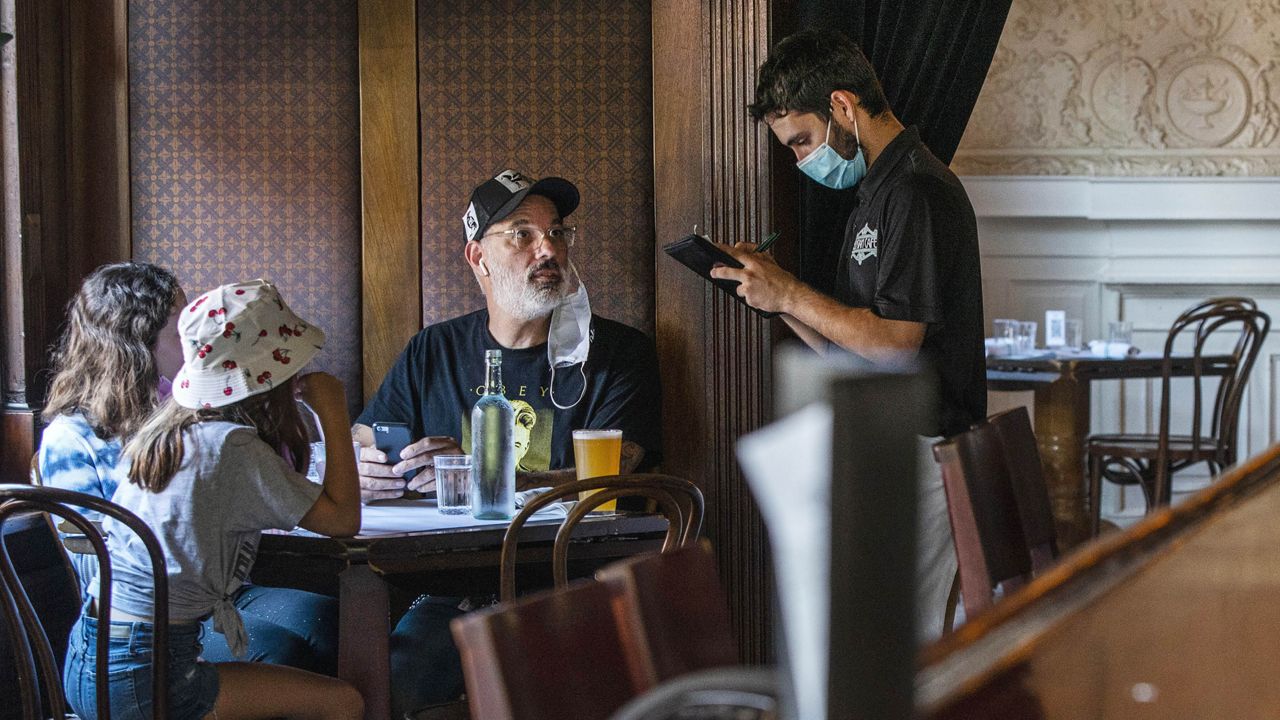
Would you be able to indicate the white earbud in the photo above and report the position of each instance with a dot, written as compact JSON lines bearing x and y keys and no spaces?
{"x":484,"y":268}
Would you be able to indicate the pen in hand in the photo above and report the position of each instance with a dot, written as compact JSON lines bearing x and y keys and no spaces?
{"x":768,"y":241}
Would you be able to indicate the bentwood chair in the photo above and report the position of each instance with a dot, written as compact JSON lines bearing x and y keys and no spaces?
{"x":37,"y":664}
{"x":679,"y":500}
{"x":1150,"y":460}
{"x":1001,"y":519}
{"x":47,"y":578}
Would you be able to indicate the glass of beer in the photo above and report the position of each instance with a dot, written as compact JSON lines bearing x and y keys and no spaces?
{"x":597,"y":453}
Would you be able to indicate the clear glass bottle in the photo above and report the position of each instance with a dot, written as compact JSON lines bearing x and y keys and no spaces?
{"x":493,"y":450}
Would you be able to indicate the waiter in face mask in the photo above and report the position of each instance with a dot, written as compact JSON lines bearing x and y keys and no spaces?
{"x":908,"y":285}
{"x":573,"y":369}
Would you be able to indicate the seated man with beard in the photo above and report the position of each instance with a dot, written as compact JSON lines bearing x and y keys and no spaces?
{"x":562,"y":367}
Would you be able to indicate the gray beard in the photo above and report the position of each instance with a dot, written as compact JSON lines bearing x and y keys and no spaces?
{"x":521,"y":298}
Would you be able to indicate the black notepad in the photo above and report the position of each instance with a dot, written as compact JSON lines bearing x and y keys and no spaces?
{"x":700,"y":255}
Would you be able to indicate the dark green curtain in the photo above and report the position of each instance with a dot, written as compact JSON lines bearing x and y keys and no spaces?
{"x":932,"y":57}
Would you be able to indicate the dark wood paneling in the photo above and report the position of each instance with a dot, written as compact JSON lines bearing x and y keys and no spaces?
{"x":43,"y":260}
{"x":44,"y":253}
{"x":711,"y":169}
{"x":99,"y":128}
{"x":17,"y":427}
{"x":389,"y":183}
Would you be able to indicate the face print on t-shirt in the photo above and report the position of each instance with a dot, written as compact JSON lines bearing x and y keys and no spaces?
{"x":533,"y":428}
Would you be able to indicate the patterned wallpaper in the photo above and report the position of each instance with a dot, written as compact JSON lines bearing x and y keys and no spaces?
{"x":1136,"y":87}
{"x":244,"y":132}
{"x":550,"y":87}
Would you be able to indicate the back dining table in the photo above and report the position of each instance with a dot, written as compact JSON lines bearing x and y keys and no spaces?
{"x":409,"y":544}
{"x":1061,"y":383}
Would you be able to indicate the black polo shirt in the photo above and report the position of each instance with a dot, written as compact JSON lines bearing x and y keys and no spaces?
{"x":911,"y":253}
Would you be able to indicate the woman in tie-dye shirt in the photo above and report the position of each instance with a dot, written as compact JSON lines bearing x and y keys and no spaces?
{"x":113,"y":366}
{"x":113,"y":363}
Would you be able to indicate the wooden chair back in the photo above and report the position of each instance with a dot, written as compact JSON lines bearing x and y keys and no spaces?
{"x":48,"y":580}
{"x":672,"y":613}
{"x":1031,"y":493}
{"x":551,"y":655}
{"x":37,"y":665}
{"x":1202,"y":322}
{"x":679,"y":500}
{"x":1000,"y":513}
{"x":584,"y":650}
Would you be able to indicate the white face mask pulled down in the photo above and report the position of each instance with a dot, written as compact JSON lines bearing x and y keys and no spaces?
{"x":569,"y":338}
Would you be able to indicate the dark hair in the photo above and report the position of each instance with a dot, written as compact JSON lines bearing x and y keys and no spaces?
{"x":157,"y":449}
{"x":805,"y":68}
{"x":103,"y":364}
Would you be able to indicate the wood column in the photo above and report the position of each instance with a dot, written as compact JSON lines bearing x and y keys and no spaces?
{"x":100,"y":226}
{"x":391,"y":265}
{"x":711,"y":169}
{"x":64,"y":155}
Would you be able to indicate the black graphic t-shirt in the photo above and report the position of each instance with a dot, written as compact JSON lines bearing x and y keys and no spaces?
{"x":911,"y":253}
{"x":440,"y":375}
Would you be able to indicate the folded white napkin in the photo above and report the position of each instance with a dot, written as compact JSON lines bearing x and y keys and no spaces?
{"x":1102,"y":348}
{"x":998,"y":347}
{"x":555,"y":509}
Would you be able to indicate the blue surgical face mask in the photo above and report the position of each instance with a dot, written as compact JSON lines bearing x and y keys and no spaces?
{"x":828,"y":168}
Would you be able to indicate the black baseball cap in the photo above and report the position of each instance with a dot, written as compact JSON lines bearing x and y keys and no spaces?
{"x":497,"y":197}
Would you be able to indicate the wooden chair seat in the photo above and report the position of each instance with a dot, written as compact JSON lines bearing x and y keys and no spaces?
{"x":1181,"y":447}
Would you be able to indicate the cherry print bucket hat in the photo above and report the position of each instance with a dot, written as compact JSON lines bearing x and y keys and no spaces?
{"x":239,"y":340}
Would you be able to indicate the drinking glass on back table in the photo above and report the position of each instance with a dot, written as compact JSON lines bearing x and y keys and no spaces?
{"x":1026,"y":337}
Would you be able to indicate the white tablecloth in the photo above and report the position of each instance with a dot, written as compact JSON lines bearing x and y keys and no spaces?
{"x":392,"y":517}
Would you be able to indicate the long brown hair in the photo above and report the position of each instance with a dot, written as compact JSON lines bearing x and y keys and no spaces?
{"x":157,"y":449}
{"x":103,"y":364}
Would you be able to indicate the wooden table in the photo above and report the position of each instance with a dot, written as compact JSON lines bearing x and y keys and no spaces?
{"x":1175,"y":618}
{"x":1061,"y":386}
{"x":443,"y":562}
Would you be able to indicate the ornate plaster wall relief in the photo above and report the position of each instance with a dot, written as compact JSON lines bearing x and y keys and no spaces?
{"x":1135,"y":87}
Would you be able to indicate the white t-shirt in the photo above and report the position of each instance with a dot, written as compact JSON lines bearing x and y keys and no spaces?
{"x":230,"y":487}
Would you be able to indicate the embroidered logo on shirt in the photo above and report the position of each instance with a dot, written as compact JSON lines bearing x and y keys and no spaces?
{"x":865,"y":244}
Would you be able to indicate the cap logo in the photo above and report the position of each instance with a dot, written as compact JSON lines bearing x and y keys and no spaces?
{"x":470,"y":222}
{"x":513,"y":181}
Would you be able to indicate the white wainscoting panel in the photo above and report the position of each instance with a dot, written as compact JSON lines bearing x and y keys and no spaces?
{"x":1176,"y":243}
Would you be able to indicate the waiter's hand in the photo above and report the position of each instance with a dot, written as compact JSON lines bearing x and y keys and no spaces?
{"x":763,"y":284}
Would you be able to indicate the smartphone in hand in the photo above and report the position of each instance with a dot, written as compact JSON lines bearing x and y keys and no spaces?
{"x":391,"y":438}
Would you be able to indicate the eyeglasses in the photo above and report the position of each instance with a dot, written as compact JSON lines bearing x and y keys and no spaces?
{"x":522,"y":238}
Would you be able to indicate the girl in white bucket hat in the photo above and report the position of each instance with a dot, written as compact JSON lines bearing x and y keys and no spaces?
{"x":207,"y":476}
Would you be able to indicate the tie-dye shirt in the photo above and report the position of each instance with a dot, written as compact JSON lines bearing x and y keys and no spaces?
{"x":72,"y":457}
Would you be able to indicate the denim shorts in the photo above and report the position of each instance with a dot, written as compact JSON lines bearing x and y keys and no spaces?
{"x":193,"y":684}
